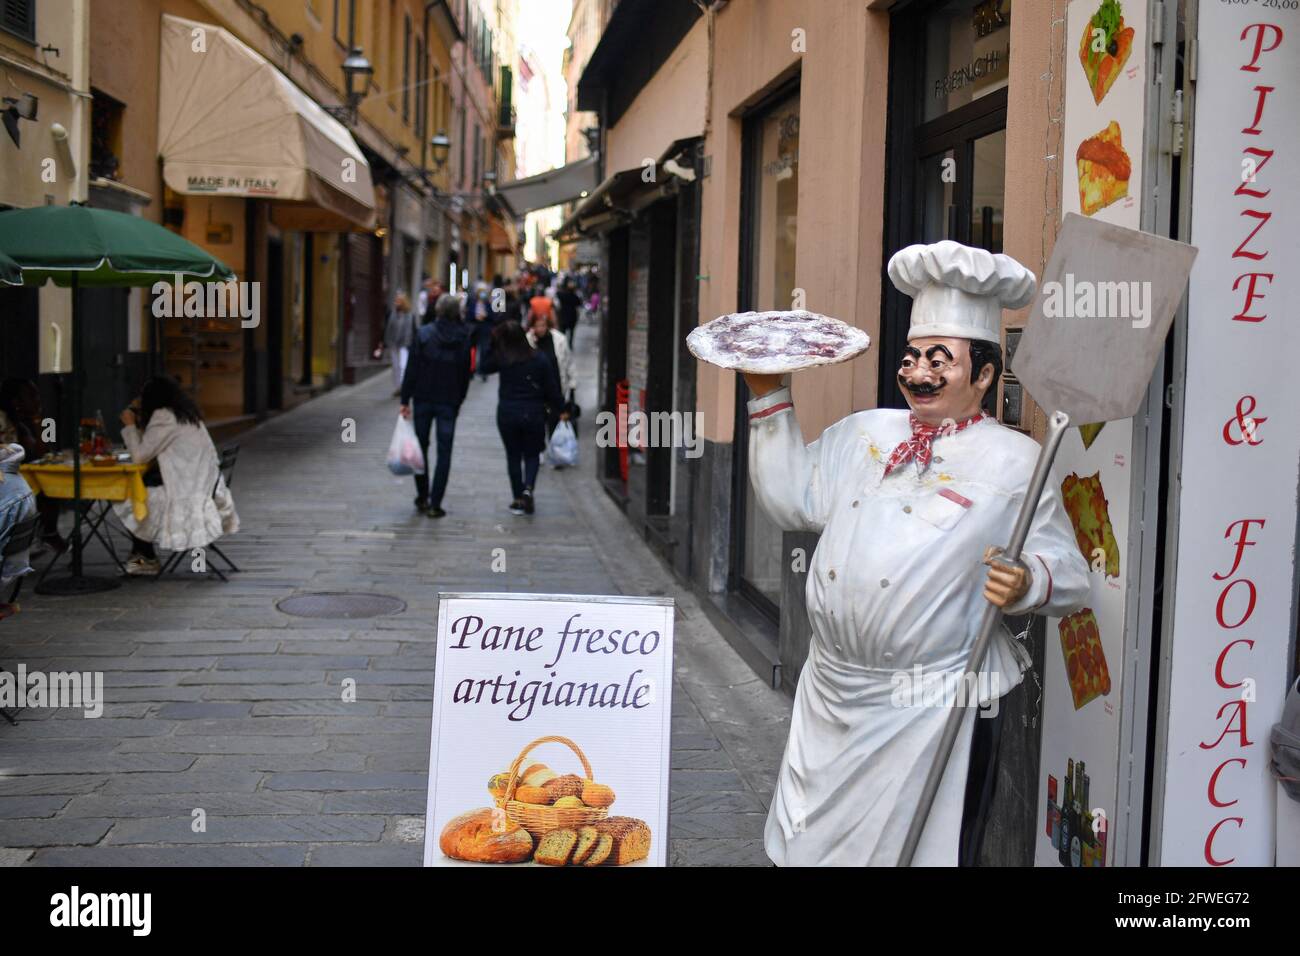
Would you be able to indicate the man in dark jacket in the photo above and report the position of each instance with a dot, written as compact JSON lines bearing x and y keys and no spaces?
{"x":437,"y":378}
{"x":570,"y":302}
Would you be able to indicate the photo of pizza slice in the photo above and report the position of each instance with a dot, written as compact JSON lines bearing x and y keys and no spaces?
{"x":1104,"y":48}
{"x":1085,"y":503}
{"x":773,"y":343}
{"x":1104,"y":170}
{"x":1090,"y":432}
{"x":1085,"y":661}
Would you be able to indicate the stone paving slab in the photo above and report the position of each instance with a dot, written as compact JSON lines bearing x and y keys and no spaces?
{"x":216,"y":700}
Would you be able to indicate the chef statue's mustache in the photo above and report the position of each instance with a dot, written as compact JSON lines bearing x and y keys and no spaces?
{"x":921,"y":388}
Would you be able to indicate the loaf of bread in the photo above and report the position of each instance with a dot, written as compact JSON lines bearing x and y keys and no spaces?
{"x":497,"y":785}
{"x":596,"y":794}
{"x":531,"y":769}
{"x":570,"y":785}
{"x":556,"y":847}
{"x":485,"y":836}
{"x":539,"y":777}
{"x":630,"y":836}
{"x":537,"y":795}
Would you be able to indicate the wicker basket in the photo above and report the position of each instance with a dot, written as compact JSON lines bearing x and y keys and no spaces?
{"x":537,"y":819}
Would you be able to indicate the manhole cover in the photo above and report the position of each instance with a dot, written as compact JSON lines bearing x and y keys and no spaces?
{"x":341,"y":605}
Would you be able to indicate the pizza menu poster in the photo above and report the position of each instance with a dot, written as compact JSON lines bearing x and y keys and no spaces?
{"x":1101,"y":177}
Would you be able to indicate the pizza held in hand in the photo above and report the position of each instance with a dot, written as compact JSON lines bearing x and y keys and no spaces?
{"x":774,"y":343}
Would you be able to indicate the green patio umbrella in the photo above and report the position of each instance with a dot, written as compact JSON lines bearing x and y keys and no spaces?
{"x":77,"y":246}
{"x":10,"y":272}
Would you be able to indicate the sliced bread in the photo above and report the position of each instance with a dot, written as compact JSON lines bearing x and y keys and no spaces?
{"x":588,"y":837}
{"x":601,"y":851}
{"x":556,"y":847}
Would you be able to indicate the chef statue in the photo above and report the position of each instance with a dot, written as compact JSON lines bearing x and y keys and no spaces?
{"x":909,"y":507}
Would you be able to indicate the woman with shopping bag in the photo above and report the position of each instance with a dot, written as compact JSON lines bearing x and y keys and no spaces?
{"x":542,"y":337}
{"x":399,"y":335}
{"x":436,"y":381}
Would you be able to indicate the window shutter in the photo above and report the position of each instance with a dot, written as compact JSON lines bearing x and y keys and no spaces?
{"x":19,"y":18}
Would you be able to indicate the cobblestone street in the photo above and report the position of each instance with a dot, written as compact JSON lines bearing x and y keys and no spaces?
{"x":216,"y":700}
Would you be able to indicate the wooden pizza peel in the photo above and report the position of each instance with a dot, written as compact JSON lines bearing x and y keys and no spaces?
{"x":1084,"y":369}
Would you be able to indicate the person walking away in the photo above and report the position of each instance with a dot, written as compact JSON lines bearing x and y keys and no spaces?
{"x":528,"y":384}
{"x":437,"y":378}
{"x":399,"y":334}
{"x":569,"y":302}
{"x":478,"y":311}
{"x":543,"y":337}
{"x":184,"y":510}
{"x":17,"y":503}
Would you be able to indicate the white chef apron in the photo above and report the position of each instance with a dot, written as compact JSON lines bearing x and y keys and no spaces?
{"x":855,"y":765}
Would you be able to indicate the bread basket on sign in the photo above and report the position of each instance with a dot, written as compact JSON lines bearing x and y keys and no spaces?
{"x":538,"y":819}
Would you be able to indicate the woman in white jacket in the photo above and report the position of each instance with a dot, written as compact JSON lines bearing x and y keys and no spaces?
{"x":543,"y":337}
{"x":192,"y":507}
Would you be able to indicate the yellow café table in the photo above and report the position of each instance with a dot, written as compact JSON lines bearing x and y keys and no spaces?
{"x":103,"y":482}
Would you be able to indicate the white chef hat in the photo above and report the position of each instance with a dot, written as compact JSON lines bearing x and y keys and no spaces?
{"x":959,"y":291}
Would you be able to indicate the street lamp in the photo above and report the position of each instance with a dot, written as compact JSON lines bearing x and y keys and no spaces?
{"x":355,"y":68}
{"x":441,"y":148}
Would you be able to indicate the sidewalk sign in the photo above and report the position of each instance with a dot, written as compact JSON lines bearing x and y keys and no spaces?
{"x":573,"y":693}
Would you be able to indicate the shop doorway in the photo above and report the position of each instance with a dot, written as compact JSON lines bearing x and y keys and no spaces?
{"x":769,"y":229}
{"x":947,"y":143}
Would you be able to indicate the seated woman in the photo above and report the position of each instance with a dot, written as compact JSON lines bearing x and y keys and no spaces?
{"x":184,"y":511}
{"x":21,"y":422}
{"x":17,"y":504}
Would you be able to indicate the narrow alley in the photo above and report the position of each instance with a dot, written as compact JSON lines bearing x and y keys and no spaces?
{"x":217,"y":701}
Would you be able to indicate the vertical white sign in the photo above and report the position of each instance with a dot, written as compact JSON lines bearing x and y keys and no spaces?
{"x":550,"y":713}
{"x":1234,"y":619}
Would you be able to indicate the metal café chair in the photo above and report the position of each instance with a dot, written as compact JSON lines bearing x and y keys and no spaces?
{"x":20,"y":539}
{"x":226,"y":469}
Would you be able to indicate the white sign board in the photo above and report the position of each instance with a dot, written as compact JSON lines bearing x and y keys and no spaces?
{"x":1234,"y":619}
{"x":551,"y":720}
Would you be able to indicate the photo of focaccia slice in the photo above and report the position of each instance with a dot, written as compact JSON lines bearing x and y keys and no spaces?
{"x":1085,"y":661}
{"x":1089,"y":512}
{"x":1106,"y":31}
{"x":1104,"y":170}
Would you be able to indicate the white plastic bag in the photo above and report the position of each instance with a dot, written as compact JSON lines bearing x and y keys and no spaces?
{"x":563,"y":449}
{"x":404,"y":455}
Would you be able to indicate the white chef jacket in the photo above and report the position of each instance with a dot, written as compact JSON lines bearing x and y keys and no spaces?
{"x":897,"y":580}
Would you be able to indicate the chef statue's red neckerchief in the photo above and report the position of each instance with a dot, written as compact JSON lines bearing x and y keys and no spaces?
{"x":918,"y":447}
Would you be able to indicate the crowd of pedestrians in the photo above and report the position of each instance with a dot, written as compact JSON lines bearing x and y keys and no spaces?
{"x":521,"y":330}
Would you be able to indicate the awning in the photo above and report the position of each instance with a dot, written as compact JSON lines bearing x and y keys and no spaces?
{"x":231,"y":124}
{"x":499,"y":238}
{"x":555,"y":186}
{"x":616,"y":201}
